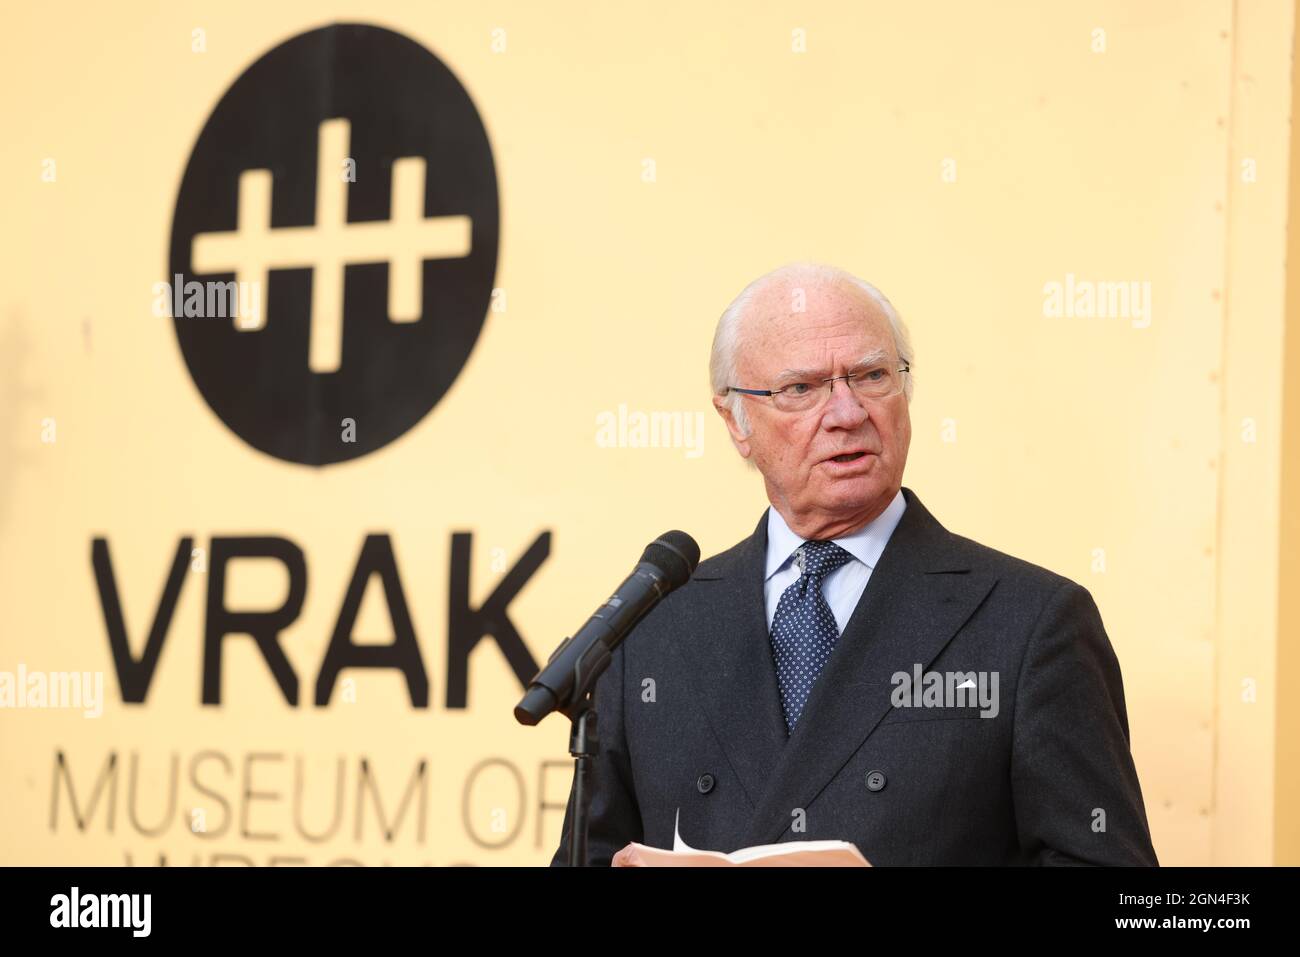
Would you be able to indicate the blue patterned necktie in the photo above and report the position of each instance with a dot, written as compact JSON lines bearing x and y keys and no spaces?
{"x":804,"y":629}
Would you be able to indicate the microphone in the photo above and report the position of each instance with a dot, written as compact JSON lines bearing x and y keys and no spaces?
{"x":574,"y":666}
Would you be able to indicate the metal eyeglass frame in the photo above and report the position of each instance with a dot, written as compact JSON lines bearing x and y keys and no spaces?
{"x":907,"y":368}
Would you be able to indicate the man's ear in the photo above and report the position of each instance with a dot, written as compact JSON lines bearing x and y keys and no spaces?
{"x":738,"y":439}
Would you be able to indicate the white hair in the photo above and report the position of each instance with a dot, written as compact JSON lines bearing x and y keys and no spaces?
{"x":726,"y":339}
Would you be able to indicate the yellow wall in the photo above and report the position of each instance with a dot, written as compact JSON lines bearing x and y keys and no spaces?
{"x":1287,"y":747}
{"x":960,"y":156}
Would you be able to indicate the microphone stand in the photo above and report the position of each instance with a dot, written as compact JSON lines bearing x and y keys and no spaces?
{"x":584,"y":745}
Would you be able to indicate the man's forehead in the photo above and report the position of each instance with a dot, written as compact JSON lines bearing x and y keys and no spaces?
{"x":789,"y":295}
{"x":785,"y":330}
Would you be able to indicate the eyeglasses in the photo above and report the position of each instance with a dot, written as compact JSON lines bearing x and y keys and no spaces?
{"x":877,"y":382}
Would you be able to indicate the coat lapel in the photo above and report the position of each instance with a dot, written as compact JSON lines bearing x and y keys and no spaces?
{"x":920,"y":593}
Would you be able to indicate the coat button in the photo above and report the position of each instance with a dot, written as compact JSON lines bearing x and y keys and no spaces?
{"x":875,"y":780}
{"x":705,"y":783}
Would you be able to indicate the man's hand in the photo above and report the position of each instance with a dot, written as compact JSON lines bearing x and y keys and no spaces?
{"x":627,"y":857}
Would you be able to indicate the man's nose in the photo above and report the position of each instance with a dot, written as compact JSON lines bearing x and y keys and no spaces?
{"x":845,"y":407}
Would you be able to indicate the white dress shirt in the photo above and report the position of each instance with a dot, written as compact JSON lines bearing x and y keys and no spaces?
{"x":843,"y":587}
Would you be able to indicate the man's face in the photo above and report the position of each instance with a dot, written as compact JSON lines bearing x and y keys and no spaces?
{"x":839,"y":325}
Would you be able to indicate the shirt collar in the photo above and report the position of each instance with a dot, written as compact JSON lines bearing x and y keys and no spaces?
{"x":866,"y":544}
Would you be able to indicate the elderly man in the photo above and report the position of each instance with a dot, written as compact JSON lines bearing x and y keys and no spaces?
{"x":802,"y":685}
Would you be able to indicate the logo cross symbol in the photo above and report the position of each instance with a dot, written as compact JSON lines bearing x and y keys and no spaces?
{"x":404,"y":241}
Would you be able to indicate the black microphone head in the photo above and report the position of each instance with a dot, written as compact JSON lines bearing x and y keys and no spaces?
{"x":675,"y":554}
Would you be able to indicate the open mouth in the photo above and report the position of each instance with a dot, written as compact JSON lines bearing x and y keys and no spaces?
{"x":848,"y":457}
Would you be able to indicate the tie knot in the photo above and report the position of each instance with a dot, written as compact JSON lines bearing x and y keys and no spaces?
{"x":817,"y":559}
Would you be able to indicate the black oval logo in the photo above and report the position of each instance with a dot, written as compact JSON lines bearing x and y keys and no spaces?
{"x":341,"y":202}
